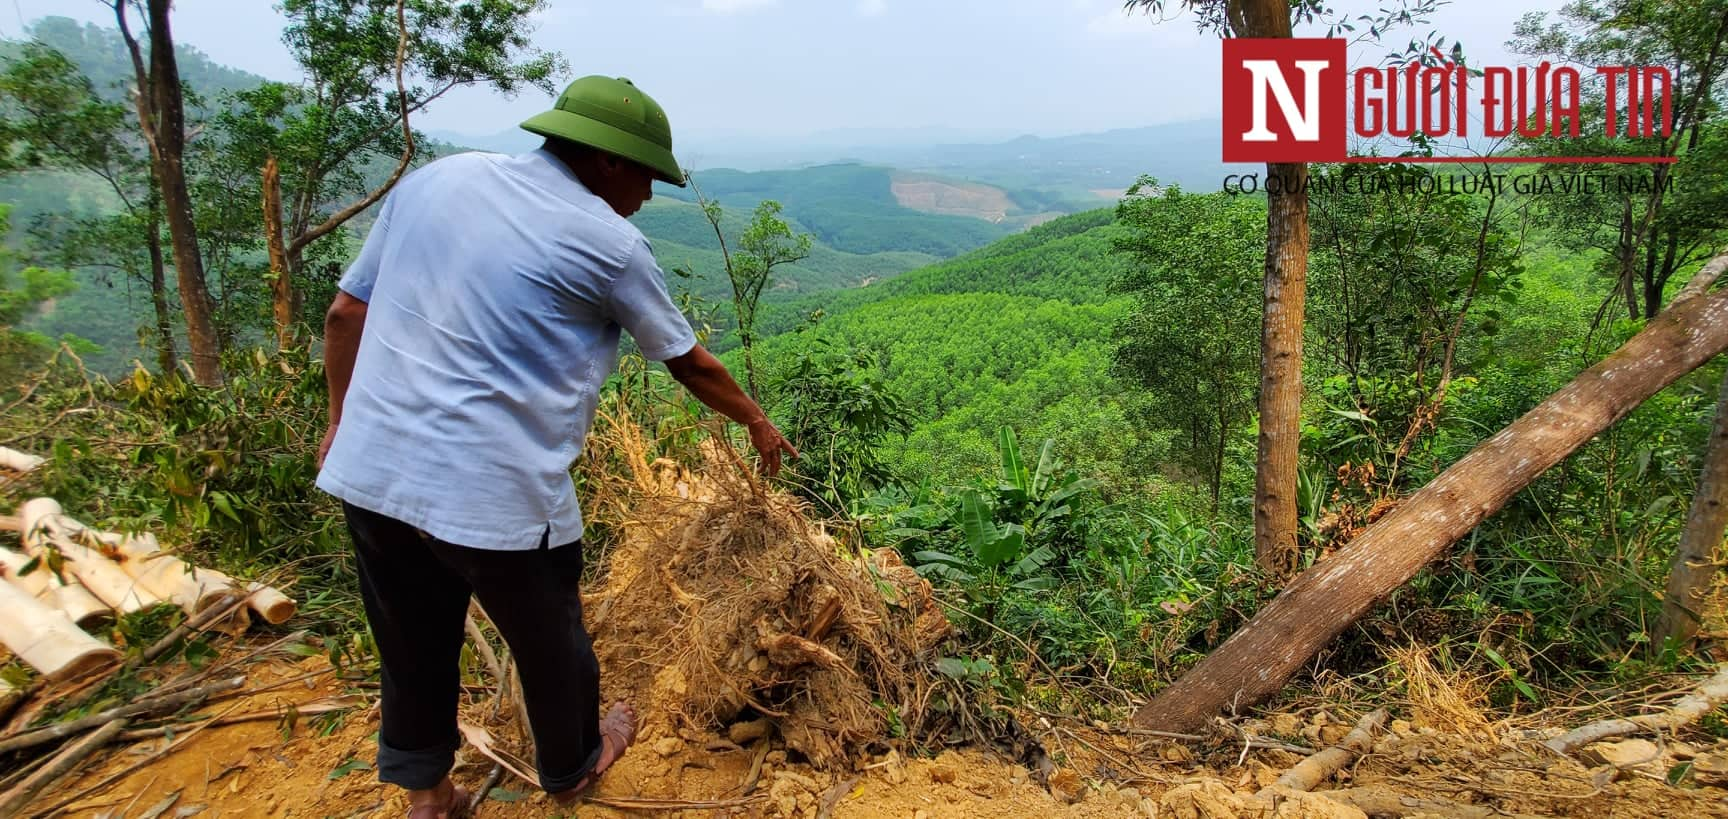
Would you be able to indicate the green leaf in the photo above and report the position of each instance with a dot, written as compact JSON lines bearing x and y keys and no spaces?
{"x":937,"y":557}
{"x":1046,"y":462}
{"x":349,"y":767}
{"x":977,"y":522}
{"x":1678,"y":773}
{"x":223,"y":505}
{"x":1353,"y":415}
{"x":952,"y":666}
{"x":504,"y":795}
{"x":1013,"y":469}
{"x":303,"y":650}
{"x":1005,"y":547}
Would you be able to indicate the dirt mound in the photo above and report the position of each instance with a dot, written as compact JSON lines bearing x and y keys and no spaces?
{"x":725,"y":604}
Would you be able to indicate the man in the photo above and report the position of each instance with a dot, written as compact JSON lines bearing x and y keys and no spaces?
{"x":464,"y":355}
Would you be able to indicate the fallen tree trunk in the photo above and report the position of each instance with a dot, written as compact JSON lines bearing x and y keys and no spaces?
{"x":1692,"y":707}
{"x":1260,"y":657}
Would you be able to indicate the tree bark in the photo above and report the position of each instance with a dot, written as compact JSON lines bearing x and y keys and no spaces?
{"x":1275,"y":514}
{"x":1280,"y":400}
{"x":1699,"y":556}
{"x":1261,"y":657}
{"x":284,"y":300}
{"x":166,"y":359}
{"x":162,"y":118}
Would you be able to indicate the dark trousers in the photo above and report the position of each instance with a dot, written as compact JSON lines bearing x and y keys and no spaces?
{"x":416,"y":589}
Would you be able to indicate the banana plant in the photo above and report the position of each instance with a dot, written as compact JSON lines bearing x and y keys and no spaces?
{"x":1036,"y":496}
{"x":991,"y":546}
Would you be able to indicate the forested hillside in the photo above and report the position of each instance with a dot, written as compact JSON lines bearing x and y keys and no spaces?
{"x":1045,"y":478}
{"x":862,"y":233}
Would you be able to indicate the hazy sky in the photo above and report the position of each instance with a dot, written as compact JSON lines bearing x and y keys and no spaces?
{"x":791,"y":67}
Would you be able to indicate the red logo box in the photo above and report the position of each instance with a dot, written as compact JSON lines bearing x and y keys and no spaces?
{"x":1284,"y":100}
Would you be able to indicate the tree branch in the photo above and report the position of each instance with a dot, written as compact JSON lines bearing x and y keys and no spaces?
{"x":338,"y":218}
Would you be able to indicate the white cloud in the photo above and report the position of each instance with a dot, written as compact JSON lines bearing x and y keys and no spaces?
{"x":872,"y":8}
{"x":734,"y":6}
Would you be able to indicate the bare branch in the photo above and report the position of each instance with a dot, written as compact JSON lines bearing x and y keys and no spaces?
{"x":337,"y":219}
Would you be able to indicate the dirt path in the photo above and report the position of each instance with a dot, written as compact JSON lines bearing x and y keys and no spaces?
{"x":320,"y":766}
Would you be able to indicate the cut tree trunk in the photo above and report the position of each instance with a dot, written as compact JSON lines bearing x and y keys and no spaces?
{"x":1698,"y":558}
{"x":1261,"y":657}
{"x":284,"y":301}
{"x":191,"y":588}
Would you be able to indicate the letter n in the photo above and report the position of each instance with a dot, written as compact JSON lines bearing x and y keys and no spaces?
{"x":1284,"y":100}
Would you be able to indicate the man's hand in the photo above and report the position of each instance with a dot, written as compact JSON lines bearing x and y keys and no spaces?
{"x":324,"y":446}
{"x":707,"y":379}
{"x":769,"y":445}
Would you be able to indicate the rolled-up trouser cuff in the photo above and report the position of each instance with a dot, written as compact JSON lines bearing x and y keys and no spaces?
{"x":415,"y":770}
{"x":567,"y":781}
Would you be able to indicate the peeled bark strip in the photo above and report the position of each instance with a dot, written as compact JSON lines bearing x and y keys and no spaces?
{"x":14,"y":800}
{"x":171,"y":578}
{"x":1691,"y":708}
{"x":46,"y":640}
{"x":45,"y":527}
{"x":1698,"y":557}
{"x":1309,"y":773}
{"x":63,"y":594}
{"x":1324,"y":600}
{"x":19,"y":461}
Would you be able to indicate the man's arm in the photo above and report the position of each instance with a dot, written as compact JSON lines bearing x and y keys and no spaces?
{"x":707,"y":379}
{"x":342,"y":327}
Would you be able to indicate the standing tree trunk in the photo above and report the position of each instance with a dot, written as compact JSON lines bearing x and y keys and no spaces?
{"x":1261,"y":657}
{"x":1275,"y":473}
{"x":1699,"y":556}
{"x":162,"y":118}
{"x":166,"y":360}
{"x":1280,"y":400}
{"x":284,"y":301}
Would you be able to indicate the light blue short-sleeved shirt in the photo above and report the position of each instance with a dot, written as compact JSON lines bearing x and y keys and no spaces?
{"x":496,"y":287}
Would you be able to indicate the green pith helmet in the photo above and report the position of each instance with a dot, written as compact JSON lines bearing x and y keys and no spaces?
{"x":614,"y":116}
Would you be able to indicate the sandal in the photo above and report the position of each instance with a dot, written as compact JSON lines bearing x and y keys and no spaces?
{"x":619,"y":726}
{"x":455,"y":808}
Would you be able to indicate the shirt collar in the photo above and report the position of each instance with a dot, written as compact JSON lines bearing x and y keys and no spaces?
{"x":553,"y":167}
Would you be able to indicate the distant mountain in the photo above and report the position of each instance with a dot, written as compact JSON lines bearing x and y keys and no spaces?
{"x":1079,"y":170}
{"x":513,"y":141}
